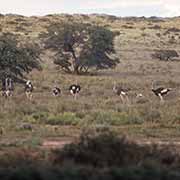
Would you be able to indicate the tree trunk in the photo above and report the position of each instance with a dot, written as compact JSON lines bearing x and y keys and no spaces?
{"x":75,"y":63}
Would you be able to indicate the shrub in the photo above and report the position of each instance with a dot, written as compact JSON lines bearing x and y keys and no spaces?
{"x":173,"y":29}
{"x":165,"y":54}
{"x":101,"y":150}
{"x":155,"y":27}
{"x":40,"y":116}
{"x":100,"y":156}
{"x":114,"y":118}
{"x":127,"y":27}
{"x":106,"y":149}
{"x":67,"y":118}
{"x":87,"y":173}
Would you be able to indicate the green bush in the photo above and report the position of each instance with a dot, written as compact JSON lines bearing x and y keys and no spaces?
{"x":66,"y":118}
{"x":114,"y":118}
{"x":106,"y":149}
{"x":40,"y":116}
{"x":87,"y":173}
{"x":102,"y":150}
{"x":100,"y":156}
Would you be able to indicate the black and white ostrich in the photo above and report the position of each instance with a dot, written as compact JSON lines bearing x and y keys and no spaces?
{"x":28,"y":89}
{"x":160,"y":92}
{"x":118,"y":90}
{"x":7,"y":87}
{"x":56,"y":91}
{"x":74,"y":89}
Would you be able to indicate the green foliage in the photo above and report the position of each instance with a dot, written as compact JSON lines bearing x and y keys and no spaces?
{"x":81,"y":46}
{"x":66,"y":118}
{"x":96,"y":118}
{"x":113,"y":118}
{"x":17,"y":59}
{"x":86,"y":173}
{"x":106,"y":149}
{"x":93,"y":156}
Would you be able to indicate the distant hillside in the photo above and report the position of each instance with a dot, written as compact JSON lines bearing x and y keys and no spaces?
{"x":132,"y":28}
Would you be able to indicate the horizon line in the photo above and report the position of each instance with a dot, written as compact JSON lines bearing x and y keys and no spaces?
{"x":89,"y":14}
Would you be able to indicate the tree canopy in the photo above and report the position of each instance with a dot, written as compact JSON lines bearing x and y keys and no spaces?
{"x":81,"y":46}
{"x":17,"y":59}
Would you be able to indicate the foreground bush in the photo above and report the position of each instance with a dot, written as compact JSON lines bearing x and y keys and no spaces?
{"x":107,"y":150}
{"x":95,"y":156}
{"x":85,"y":173}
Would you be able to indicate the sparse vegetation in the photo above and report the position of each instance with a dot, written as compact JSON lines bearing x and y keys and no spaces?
{"x":165,"y":54}
{"x":173,"y":29}
{"x":156,"y":27}
{"x":26,"y":125}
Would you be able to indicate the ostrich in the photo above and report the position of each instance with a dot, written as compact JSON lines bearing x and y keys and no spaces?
{"x":121,"y":92}
{"x":28,"y":89}
{"x":160,"y":92}
{"x":141,"y":98}
{"x":56,"y":91}
{"x":7,"y":87}
{"x":74,"y":89}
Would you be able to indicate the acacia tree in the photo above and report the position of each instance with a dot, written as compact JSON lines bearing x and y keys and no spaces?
{"x":17,"y":59}
{"x":80,"y":46}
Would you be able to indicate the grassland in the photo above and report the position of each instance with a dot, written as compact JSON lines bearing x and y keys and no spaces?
{"x":25,"y":123}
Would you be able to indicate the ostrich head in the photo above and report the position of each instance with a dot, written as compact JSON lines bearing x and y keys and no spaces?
{"x":153,"y":85}
{"x":169,"y":89}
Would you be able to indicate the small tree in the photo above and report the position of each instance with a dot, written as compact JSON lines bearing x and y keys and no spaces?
{"x":165,"y":54}
{"x":81,"y":46}
{"x":17,"y":59}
